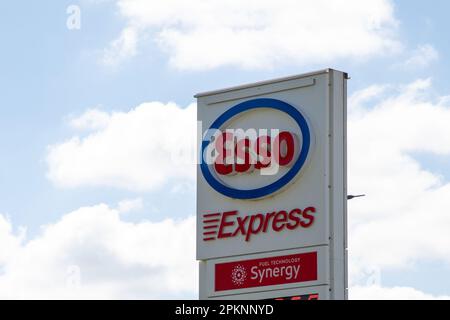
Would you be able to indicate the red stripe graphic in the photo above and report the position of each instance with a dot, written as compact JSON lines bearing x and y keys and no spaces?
{"x":210,"y":225}
{"x":210,"y":215}
{"x":211,"y":221}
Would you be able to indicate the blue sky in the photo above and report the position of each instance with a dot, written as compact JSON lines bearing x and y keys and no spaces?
{"x":50,"y":75}
{"x":57,"y":68}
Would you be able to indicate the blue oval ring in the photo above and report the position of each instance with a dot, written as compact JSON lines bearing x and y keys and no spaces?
{"x":286,"y":178}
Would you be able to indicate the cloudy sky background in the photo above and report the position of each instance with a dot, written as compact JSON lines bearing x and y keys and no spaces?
{"x":91,"y":205}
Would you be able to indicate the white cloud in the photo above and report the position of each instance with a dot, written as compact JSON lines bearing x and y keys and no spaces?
{"x":201,"y":35}
{"x":130,"y":205}
{"x":396,"y":293}
{"x":404,"y":218}
{"x":92,"y":254}
{"x":92,"y":119}
{"x":138,"y":150}
{"x":122,"y":48}
{"x":422,"y":57}
{"x":9,"y":241}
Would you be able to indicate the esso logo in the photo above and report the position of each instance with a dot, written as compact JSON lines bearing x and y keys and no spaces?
{"x":227,"y":152}
{"x":241,"y":154}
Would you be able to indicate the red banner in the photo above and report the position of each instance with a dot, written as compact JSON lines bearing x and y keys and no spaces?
{"x":266,"y":271}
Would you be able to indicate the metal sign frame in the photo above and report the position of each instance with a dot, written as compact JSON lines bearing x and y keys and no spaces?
{"x":321,"y":97}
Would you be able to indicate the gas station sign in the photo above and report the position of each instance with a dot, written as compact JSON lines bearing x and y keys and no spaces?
{"x":271,"y":189}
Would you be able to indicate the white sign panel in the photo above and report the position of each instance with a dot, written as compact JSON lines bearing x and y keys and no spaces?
{"x":272,"y":177}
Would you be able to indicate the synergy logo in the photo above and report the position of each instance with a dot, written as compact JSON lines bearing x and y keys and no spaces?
{"x":230,"y":224}
{"x":238,"y":275}
{"x":266,"y":271}
{"x":227,"y":152}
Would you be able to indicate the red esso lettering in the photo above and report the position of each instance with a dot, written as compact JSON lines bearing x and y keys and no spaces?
{"x":263,"y":151}
{"x":244,"y":155}
{"x":244,"y":161}
{"x":285,"y":143}
{"x":224,"y":164}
